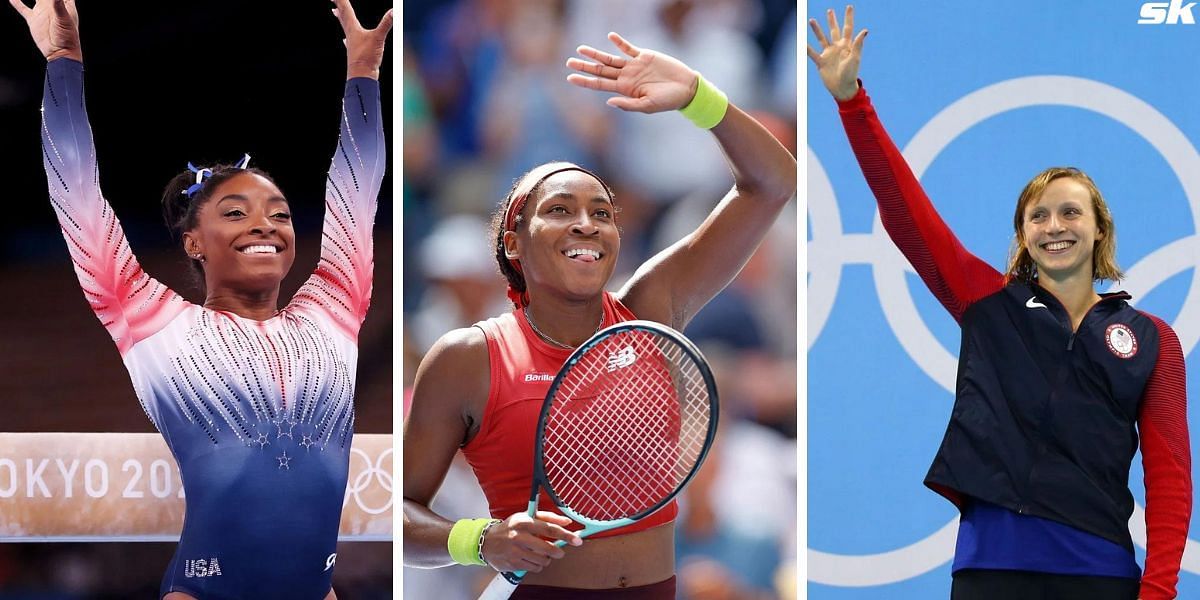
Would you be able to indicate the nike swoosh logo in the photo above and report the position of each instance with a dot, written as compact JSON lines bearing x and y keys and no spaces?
{"x":1033,"y":303}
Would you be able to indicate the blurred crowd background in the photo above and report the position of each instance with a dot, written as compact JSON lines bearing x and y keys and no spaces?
{"x":485,"y":99}
{"x":168,"y":83}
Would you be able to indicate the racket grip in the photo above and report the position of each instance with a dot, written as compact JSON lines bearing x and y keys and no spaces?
{"x":501,"y":588}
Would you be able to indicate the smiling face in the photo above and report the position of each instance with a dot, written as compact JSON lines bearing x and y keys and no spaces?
{"x":244,"y":232}
{"x":568,"y":241}
{"x":1060,"y":230}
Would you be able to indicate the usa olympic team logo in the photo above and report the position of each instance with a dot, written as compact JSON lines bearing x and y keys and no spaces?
{"x":1120,"y":340}
{"x":830,"y":249}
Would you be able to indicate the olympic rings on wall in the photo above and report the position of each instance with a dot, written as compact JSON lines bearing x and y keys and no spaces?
{"x":370,"y":482}
{"x":831,"y":249}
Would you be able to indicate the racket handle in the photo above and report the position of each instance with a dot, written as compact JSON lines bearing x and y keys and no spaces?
{"x":501,"y":587}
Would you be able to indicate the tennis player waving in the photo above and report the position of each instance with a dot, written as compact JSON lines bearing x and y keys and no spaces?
{"x":556,"y":241}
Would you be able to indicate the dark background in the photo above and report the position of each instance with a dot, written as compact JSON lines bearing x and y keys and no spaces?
{"x":167,"y":83}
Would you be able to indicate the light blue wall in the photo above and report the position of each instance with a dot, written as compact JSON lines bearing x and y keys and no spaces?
{"x":879,"y":387}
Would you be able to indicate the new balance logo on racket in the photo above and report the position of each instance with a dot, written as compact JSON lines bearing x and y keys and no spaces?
{"x":632,"y":411}
{"x":621,"y":358}
{"x":645,"y":429}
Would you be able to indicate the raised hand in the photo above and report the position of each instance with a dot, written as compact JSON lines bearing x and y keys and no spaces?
{"x":840,"y":54}
{"x":364,"y":47}
{"x":647,"y":81}
{"x":54,"y":27}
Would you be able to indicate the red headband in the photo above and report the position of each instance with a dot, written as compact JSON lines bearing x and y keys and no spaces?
{"x":516,"y":203}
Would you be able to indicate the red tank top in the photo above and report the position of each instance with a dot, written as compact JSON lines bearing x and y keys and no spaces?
{"x":501,"y":454}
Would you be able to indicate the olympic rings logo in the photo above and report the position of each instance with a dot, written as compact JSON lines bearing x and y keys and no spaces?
{"x":370,"y":498}
{"x":830,"y":249}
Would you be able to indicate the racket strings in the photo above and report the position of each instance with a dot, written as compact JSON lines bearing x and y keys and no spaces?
{"x":610,"y":480}
{"x":626,"y":426}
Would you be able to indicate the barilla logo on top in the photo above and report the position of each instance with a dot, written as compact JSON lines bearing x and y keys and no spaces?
{"x":622,"y":358}
{"x":1167,"y":13}
{"x":533,"y":377}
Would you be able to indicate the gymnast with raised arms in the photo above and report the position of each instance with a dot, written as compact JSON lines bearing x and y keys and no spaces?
{"x":255,"y":402}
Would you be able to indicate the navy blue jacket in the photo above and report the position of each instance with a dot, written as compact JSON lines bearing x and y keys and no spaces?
{"x":1045,"y":421}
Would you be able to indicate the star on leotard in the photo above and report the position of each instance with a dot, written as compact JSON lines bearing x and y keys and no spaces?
{"x":284,"y":461}
{"x":262,"y":441}
{"x":306,"y":441}
{"x":195,"y":331}
{"x":280,"y":426}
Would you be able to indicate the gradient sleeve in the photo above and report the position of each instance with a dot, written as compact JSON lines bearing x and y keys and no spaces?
{"x":340,"y":288}
{"x":956,"y":277}
{"x":129,"y":303}
{"x":1167,"y":463}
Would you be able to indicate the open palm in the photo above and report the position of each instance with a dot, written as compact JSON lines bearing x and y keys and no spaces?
{"x":647,"y":81}
{"x":53,"y":25}
{"x":840,"y":55}
{"x":364,"y":47}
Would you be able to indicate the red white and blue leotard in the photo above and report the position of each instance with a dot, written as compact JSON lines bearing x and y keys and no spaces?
{"x":259,"y":415}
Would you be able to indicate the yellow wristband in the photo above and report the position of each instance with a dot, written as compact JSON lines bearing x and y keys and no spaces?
{"x":463,"y":543}
{"x":707,"y":107}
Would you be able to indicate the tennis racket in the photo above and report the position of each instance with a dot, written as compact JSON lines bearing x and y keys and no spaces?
{"x":625,"y":425}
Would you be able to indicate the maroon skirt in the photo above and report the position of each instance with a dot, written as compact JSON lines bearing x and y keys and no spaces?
{"x":663,"y":590}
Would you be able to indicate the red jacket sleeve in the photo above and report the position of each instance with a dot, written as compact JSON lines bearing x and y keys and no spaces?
{"x":955,"y":276}
{"x":1167,"y":462}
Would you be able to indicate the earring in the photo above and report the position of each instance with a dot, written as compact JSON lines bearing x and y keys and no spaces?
{"x":197,"y":257}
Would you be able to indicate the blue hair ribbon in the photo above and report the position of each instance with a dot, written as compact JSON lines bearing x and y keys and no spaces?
{"x":204,"y":174}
